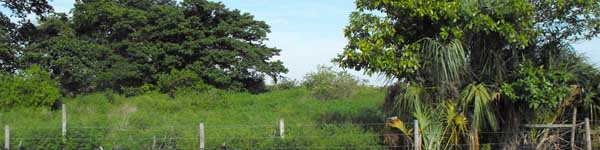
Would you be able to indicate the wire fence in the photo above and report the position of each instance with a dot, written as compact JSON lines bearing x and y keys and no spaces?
{"x":130,"y":135}
{"x":257,"y":136}
{"x":93,"y":137}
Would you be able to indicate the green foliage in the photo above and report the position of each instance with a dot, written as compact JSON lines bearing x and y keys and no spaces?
{"x":240,"y":120}
{"x":327,"y":84}
{"x":440,"y":125}
{"x":21,"y":8}
{"x":431,"y":125}
{"x":134,"y":91}
{"x":13,"y":35}
{"x":180,"y":80}
{"x":412,"y":98}
{"x":80,"y":66}
{"x":7,"y":46}
{"x":385,"y":36}
{"x":539,"y":87}
{"x":477,"y":95}
{"x":438,"y":48}
{"x":444,"y":124}
{"x":124,"y":45}
{"x":286,"y":83}
{"x":448,"y":44}
{"x":31,"y":88}
{"x":444,"y":62}
{"x":582,"y":23}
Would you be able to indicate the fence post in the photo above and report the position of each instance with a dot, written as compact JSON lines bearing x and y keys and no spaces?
{"x":64,"y":120}
{"x":417,"y":135}
{"x":64,"y":125}
{"x":153,"y":142}
{"x":6,"y":137}
{"x":574,"y":128}
{"x":281,"y":128}
{"x":201,"y":136}
{"x":588,"y":136}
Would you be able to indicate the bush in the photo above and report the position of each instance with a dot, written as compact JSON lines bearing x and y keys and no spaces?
{"x":326,"y":84}
{"x":31,"y":88}
{"x":135,"y":91}
{"x":178,"y":80}
{"x":286,"y":83}
{"x":539,"y":87}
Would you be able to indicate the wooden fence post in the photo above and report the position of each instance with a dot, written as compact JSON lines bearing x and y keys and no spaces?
{"x":153,"y":142}
{"x":417,"y":135}
{"x":588,"y":136}
{"x":64,"y":120}
{"x":201,"y":136}
{"x":574,"y":128}
{"x":281,"y":128}
{"x":64,"y":126}
{"x":6,"y":137}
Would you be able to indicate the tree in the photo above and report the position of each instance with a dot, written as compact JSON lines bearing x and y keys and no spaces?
{"x":393,"y":44}
{"x":436,"y":49}
{"x":151,"y":37}
{"x":13,"y":35}
{"x":561,"y":23}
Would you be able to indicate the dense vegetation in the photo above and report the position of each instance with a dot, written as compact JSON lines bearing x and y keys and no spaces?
{"x":466,"y":67}
{"x":327,"y":84}
{"x":237,"y":120}
{"x":167,"y":116}
{"x":123,"y":45}
{"x":132,"y":70}
{"x":31,"y":88}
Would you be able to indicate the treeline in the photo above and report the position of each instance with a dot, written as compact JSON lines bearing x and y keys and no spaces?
{"x":126,"y":46}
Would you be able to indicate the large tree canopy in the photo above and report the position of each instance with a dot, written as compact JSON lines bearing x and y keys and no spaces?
{"x":117,"y":44}
{"x":436,"y":43}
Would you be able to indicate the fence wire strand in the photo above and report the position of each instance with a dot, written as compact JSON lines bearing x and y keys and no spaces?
{"x":213,"y":128}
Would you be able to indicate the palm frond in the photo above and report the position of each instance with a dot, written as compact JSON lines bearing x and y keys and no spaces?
{"x":400,"y":125}
{"x":411,"y":98}
{"x":480,"y":98}
{"x":456,"y":124}
{"x":430,"y":126}
{"x":446,"y":62}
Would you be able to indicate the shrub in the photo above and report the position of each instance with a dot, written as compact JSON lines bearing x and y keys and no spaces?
{"x":178,"y":80}
{"x":539,"y":87}
{"x":326,"y":84}
{"x":286,"y":83}
{"x":254,"y":85}
{"x":32,"y":87}
{"x":135,"y":91}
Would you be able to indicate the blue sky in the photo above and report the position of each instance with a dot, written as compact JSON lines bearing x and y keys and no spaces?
{"x":310,"y":32}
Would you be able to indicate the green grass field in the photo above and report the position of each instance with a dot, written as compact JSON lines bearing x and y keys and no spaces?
{"x":237,"y":120}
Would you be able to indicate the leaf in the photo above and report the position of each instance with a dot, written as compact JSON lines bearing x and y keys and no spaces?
{"x":398,"y":124}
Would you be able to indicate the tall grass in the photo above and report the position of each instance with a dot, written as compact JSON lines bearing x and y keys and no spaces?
{"x":237,"y":120}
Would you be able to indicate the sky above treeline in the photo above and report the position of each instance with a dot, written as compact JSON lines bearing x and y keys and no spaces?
{"x":310,"y":32}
